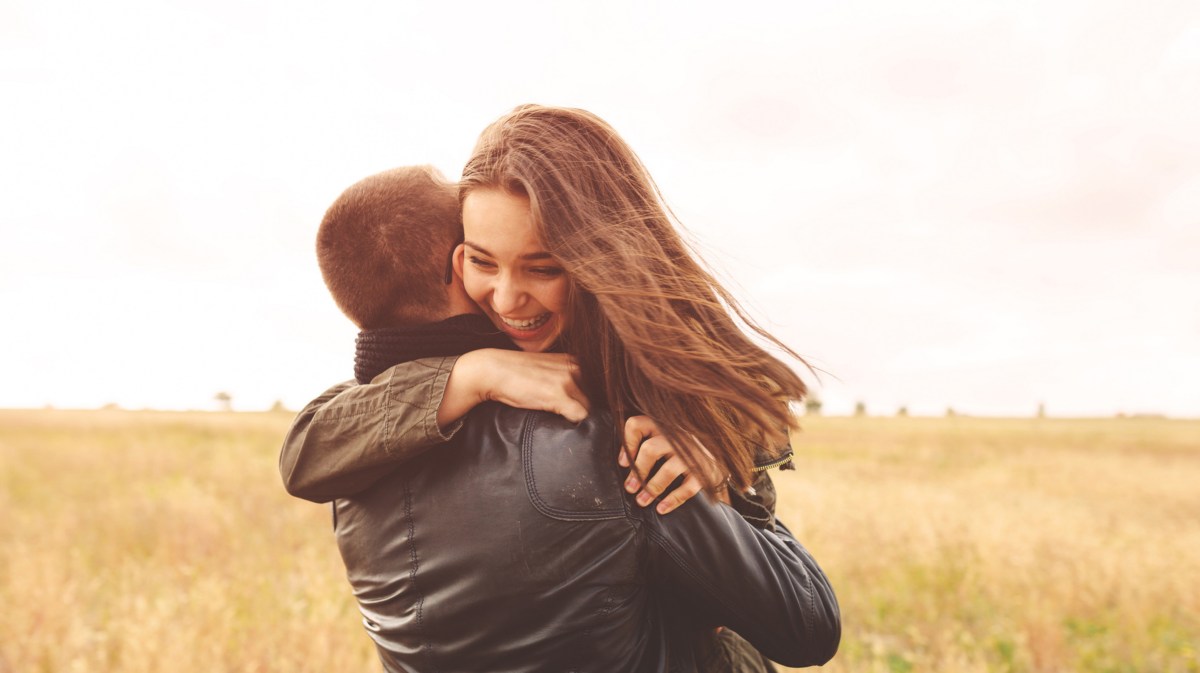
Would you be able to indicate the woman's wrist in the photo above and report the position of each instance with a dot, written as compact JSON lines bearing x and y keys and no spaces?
{"x":465,"y":388}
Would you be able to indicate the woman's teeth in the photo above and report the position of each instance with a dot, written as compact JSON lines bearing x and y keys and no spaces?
{"x":526,"y":325}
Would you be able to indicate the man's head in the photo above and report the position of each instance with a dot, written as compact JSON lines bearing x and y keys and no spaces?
{"x":384,"y":245}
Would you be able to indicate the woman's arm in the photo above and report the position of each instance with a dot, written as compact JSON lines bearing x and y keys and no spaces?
{"x":347,"y":438}
{"x":350,"y":436}
{"x":542,"y":381}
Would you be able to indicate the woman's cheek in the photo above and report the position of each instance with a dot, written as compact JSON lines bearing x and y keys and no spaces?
{"x":474,"y":285}
{"x":561,"y":292}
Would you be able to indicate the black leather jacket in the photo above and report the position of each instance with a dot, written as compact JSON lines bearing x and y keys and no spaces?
{"x":515,"y":548}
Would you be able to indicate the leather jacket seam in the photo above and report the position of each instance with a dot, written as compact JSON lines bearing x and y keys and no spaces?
{"x":812,"y":604}
{"x":528,"y":426}
{"x":414,"y":567}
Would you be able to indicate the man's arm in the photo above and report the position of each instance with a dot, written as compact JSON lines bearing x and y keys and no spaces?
{"x":762,"y":584}
{"x":349,"y":437}
{"x":702,"y":558}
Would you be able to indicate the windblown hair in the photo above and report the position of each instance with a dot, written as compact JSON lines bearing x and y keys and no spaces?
{"x":383,"y":247}
{"x":653,"y":331}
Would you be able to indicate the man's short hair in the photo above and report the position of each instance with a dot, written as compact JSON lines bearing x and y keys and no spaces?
{"x":384,"y":244}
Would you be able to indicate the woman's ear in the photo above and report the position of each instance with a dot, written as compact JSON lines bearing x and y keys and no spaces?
{"x":460,"y":301}
{"x":458,"y":257}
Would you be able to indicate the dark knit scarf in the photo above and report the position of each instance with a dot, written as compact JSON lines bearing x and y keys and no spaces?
{"x":378,"y":349}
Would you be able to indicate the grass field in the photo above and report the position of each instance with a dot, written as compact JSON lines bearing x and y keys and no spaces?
{"x":141,"y":541}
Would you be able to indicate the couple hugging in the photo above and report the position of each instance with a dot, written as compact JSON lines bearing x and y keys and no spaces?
{"x":546,"y":376}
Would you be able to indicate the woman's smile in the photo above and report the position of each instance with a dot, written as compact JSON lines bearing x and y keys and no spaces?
{"x":526,"y":325}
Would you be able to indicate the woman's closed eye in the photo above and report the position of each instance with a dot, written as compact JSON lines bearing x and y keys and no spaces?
{"x":547,"y":271}
{"x":481,"y":263}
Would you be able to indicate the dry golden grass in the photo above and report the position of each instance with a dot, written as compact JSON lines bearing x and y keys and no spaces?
{"x":1005,"y":545}
{"x":139,"y":541}
{"x":164,"y":542}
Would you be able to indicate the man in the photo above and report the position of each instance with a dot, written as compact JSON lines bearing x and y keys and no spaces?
{"x":513,"y":546}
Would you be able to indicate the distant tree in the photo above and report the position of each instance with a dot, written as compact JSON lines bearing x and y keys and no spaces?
{"x":812,"y":406}
{"x":111,"y":406}
{"x":278,"y":407}
{"x":860,"y":408}
{"x":902,"y":412}
{"x":1041,"y":410}
{"x":950,"y":413}
{"x":224,"y":401}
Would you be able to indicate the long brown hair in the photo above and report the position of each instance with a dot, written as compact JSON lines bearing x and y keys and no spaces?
{"x":653,"y":331}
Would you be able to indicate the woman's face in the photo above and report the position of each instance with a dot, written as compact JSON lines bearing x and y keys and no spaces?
{"x":505,"y":269}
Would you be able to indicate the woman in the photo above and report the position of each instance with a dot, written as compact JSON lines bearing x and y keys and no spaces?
{"x":568,"y":243}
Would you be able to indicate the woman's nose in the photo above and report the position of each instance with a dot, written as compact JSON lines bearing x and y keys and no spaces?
{"x":507,"y":295}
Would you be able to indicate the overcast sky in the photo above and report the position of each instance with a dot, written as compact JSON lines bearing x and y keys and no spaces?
{"x":978,"y":205}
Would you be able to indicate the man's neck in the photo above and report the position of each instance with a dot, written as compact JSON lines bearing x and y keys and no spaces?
{"x":380,"y":349}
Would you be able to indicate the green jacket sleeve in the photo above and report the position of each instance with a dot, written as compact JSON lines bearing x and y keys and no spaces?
{"x":757,"y":504}
{"x":352,"y":435}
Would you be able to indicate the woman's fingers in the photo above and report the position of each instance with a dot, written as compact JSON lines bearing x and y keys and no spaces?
{"x":543,"y":381}
{"x":573,"y":404}
{"x":637,"y":430}
{"x":649,"y":453}
{"x":567,"y":398}
{"x":684,"y":492}
{"x":666,"y":474}
{"x":648,"y":448}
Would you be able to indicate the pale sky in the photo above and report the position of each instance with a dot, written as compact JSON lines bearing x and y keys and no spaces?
{"x":983,"y":205}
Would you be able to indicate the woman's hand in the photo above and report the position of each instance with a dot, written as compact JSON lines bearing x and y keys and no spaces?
{"x":542,"y":381}
{"x":647,"y":446}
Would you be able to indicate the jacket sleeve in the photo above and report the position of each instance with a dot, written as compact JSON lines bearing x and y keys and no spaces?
{"x":762,"y":584}
{"x":352,"y":435}
{"x":757,"y":503}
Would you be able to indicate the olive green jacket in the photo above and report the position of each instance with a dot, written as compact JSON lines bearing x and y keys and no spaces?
{"x":345,"y":440}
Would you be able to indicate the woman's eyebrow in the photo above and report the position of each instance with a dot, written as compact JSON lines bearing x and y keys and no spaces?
{"x":528,"y":256}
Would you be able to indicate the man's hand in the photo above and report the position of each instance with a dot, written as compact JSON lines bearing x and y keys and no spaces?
{"x":542,"y":381}
{"x":647,"y":446}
